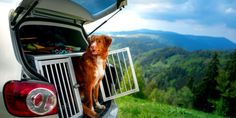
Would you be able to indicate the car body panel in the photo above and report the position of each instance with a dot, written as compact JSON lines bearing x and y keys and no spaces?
{"x":10,"y":69}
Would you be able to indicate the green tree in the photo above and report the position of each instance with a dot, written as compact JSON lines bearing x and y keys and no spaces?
{"x":139,"y":75}
{"x":154,"y":95}
{"x":184,"y":97}
{"x":170,"y":96}
{"x":221,"y":104}
{"x":211,"y":75}
{"x":231,"y":67}
{"x":227,"y":87}
{"x":149,"y":87}
{"x":206,"y":91}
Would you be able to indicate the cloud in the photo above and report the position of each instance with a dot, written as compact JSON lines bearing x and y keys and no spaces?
{"x":7,"y":1}
{"x":210,"y":12}
{"x":125,"y":20}
{"x":230,"y":10}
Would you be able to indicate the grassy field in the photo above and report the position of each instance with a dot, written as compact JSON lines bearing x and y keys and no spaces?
{"x":130,"y":107}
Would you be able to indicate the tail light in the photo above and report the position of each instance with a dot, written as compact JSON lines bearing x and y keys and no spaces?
{"x":27,"y":98}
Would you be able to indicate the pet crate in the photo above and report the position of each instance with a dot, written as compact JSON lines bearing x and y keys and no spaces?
{"x":119,"y":80}
{"x":59,"y":71}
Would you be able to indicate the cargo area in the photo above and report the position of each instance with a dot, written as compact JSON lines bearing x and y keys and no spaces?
{"x":50,"y":50}
{"x":44,"y":40}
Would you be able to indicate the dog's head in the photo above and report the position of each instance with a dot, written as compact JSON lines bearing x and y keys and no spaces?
{"x":98,"y":44}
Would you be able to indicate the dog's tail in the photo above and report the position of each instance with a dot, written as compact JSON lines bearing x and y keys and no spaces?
{"x":89,"y":112}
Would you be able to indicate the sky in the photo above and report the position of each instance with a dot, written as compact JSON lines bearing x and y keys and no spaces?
{"x":197,"y":17}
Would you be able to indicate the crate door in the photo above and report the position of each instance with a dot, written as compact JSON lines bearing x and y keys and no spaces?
{"x":60,"y":73}
{"x":120,"y":78}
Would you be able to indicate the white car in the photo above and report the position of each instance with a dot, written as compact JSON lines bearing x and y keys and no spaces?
{"x":46,"y":35}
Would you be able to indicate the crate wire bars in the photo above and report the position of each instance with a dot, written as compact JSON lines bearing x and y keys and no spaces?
{"x":124,"y":81}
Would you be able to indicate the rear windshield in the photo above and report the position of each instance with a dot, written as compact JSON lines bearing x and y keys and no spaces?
{"x":95,"y":6}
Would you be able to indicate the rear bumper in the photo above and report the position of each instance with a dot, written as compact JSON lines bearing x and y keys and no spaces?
{"x":112,"y":111}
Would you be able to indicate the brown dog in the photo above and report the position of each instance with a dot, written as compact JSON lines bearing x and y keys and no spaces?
{"x":89,"y":71}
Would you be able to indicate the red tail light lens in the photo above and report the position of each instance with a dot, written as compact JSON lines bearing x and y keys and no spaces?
{"x":27,"y":98}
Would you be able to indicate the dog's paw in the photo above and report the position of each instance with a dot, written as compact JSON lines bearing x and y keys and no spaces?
{"x":99,"y":106}
{"x":93,"y":115}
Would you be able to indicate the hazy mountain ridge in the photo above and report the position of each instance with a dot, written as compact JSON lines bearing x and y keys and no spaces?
{"x":151,"y":39}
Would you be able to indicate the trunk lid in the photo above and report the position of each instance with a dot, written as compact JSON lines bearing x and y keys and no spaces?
{"x":85,"y":11}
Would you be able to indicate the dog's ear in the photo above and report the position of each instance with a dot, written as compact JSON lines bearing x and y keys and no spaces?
{"x":90,"y":39}
{"x":108,"y":40}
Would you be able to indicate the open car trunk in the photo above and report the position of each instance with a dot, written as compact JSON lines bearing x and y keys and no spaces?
{"x":50,"y":48}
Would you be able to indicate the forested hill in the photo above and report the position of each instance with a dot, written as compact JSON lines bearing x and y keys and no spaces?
{"x":204,"y":80}
{"x":188,"y":71}
{"x":176,"y":67}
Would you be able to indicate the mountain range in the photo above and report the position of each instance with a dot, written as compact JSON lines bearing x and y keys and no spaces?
{"x":144,"y":40}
